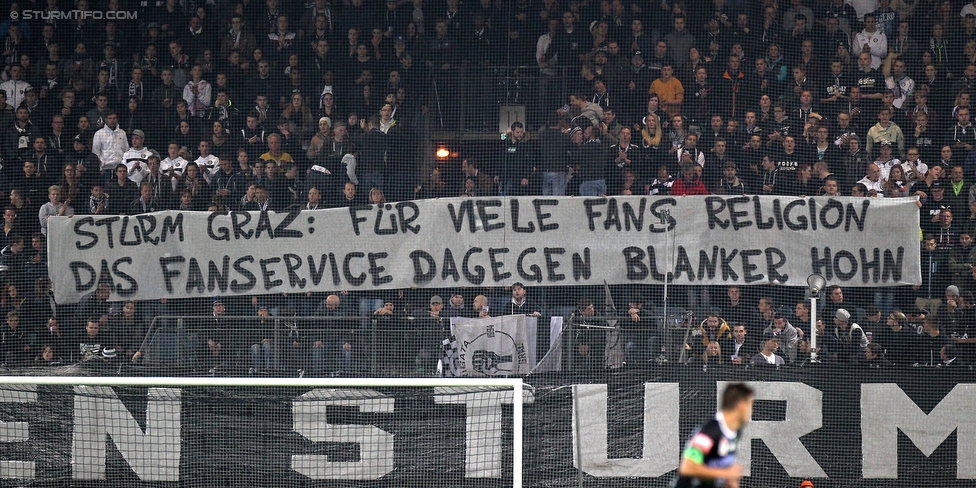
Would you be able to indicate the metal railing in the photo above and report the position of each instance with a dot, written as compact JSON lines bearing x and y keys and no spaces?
{"x":375,"y":345}
{"x":334,"y":345}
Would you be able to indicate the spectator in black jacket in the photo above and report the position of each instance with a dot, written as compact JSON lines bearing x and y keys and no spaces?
{"x":928,"y":351}
{"x":516,"y":160}
{"x":874,"y":357}
{"x":94,"y":304}
{"x":898,"y":340}
{"x":554,"y":147}
{"x":520,"y":304}
{"x":17,"y":138}
{"x":589,"y":343}
{"x":935,"y":277}
{"x":14,"y":344}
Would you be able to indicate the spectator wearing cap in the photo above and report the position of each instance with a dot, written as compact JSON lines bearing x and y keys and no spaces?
{"x":589,"y":353}
{"x":30,"y":101}
{"x":136,"y":159}
{"x":601,"y":94}
{"x":933,"y":206}
{"x":730,"y":184}
{"x":956,"y":310}
{"x":885,"y":130}
{"x":632,"y":81}
{"x":435,"y":306}
{"x":886,"y":159}
{"x":218,"y":310}
{"x":846,"y":340}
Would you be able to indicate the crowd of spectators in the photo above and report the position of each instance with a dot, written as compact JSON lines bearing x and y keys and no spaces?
{"x":764,"y":330}
{"x":274,"y":105}
{"x":797,"y":97}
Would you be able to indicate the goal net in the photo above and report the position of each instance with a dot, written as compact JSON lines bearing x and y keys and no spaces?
{"x":221,"y":432}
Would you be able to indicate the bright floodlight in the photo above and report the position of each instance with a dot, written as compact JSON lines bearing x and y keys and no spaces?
{"x":815,"y":283}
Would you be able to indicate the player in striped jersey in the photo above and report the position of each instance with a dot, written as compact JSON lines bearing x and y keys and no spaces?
{"x":709,"y":458}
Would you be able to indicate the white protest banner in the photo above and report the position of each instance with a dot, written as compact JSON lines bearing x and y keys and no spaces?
{"x":495,"y":346}
{"x":714,"y":240}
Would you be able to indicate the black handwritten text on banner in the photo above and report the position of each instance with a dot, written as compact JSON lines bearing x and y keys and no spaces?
{"x":485,"y":242}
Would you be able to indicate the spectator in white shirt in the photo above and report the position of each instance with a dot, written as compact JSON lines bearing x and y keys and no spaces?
{"x":110,"y":144}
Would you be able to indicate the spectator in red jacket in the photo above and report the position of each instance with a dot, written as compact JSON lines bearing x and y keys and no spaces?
{"x":690,"y":182}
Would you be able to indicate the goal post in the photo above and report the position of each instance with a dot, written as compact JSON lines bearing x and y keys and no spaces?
{"x":424,"y":432}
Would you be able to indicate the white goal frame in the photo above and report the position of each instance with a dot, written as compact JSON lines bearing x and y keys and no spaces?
{"x":514,"y":383}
